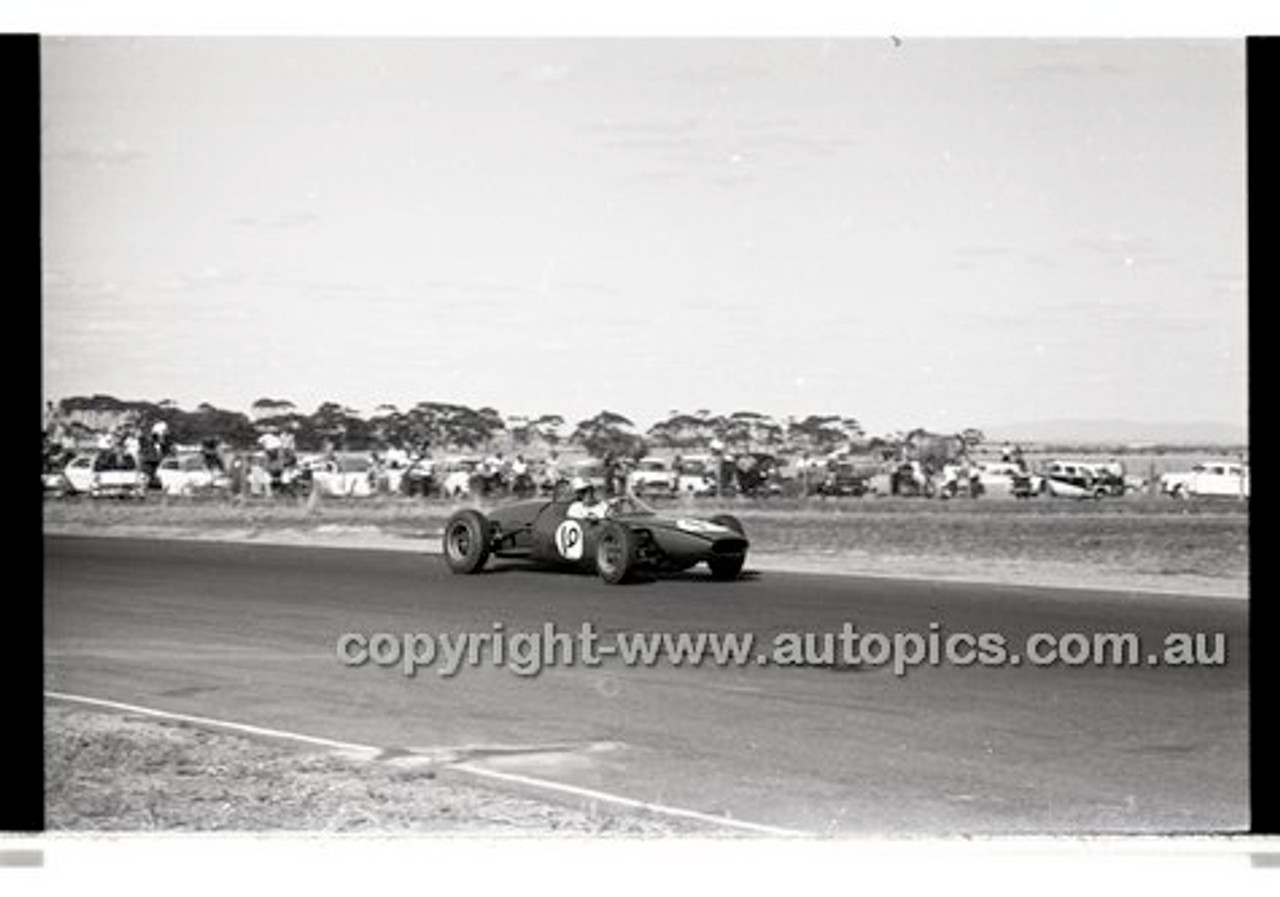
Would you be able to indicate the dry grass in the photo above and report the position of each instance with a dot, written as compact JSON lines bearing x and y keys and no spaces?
{"x":1151,"y":537}
{"x":110,"y":772}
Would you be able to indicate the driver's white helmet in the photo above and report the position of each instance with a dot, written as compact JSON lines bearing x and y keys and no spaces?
{"x":579,"y":484}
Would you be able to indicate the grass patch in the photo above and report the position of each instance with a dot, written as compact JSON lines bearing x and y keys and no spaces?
{"x":111,"y":772}
{"x":1154,"y":537}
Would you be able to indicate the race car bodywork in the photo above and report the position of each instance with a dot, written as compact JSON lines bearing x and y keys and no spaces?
{"x":630,"y":537}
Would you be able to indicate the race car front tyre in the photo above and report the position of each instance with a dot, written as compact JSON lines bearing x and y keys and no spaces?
{"x":729,"y":566}
{"x":726,"y":568}
{"x":466,"y":542}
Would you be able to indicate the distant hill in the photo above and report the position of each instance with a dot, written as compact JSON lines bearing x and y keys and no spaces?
{"x":1120,"y":432}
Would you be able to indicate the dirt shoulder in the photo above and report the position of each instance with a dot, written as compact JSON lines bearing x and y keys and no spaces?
{"x":110,"y":771}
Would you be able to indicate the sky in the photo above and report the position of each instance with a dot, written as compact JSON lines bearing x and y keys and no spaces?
{"x":908,"y":231}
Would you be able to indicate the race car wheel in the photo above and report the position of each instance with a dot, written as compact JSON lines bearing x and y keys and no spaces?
{"x":727,"y":567}
{"x":728,"y":520}
{"x":466,"y":542}
{"x":615,"y":552}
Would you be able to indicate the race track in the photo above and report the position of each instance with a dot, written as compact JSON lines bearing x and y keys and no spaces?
{"x":248,"y":633}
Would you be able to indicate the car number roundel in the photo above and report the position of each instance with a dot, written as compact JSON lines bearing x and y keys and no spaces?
{"x":569,"y":540}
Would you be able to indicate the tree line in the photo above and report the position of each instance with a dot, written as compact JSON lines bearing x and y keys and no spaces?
{"x":451,"y":426}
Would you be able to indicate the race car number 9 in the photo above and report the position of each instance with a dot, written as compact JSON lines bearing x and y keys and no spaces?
{"x":569,"y":540}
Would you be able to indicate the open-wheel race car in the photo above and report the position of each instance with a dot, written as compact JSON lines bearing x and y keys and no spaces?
{"x":627,"y":539}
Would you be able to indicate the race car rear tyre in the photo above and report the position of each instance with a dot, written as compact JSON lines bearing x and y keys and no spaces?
{"x":729,"y":521}
{"x":466,"y":542}
{"x":615,"y":552}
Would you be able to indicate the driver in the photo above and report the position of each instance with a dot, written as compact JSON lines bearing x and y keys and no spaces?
{"x":584,"y":505}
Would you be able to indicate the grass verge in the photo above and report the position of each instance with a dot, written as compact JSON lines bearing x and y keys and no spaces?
{"x":1141,"y":542}
{"x":106,"y":771}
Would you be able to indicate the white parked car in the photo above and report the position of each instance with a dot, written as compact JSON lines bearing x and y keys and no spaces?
{"x":79,"y":473}
{"x":652,"y":475}
{"x":1005,"y":478}
{"x":105,"y":474}
{"x":696,"y":475}
{"x":1216,"y":478}
{"x":346,"y":476}
{"x":184,"y":474}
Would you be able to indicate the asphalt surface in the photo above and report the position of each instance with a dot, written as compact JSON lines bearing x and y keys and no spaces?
{"x":249,"y":633}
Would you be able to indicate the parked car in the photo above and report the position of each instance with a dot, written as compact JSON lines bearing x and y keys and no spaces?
{"x":1005,"y":478}
{"x":185,"y":474}
{"x":417,"y":479}
{"x":79,"y":473}
{"x":653,"y":476}
{"x":117,"y":475}
{"x":839,"y":479}
{"x":1210,"y":478}
{"x":344,"y":476}
{"x":754,"y":474}
{"x":54,"y":483}
{"x":696,"y":475}
{"x":959,"y":479}
{"x":454,"y":475}
{"x":1084,"y":479}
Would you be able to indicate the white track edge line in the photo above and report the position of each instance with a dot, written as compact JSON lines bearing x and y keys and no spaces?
{"x":216,"y":723}
{"x":467,"y":768}
{"x":634,"y":803}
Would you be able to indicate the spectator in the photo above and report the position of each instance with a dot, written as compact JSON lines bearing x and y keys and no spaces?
{"x":133,"y":445}
{"x":551,"y":474}
{"x":270,"y":442}
{"x":521,"y":481}
{"x":259,"y":480}
{"x":149,"y":458}
{"x":237,"y":475}
{"x":160,"y":439}
{"x":610,"y":474}
{"x":212,"y":459}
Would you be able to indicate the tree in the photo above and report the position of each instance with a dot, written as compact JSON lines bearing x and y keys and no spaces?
{"x":750,"y":431}
{"x":973,"y":437}
{"x":934,"y":450}
{"x":336,"y":425}
{"x":389,"y":427}
{"x":208,"y":422}
{"x":687,"y":431}
{"x":609,"y":433}
{"x":266,"y":407}
{"x":454,"y":426}
{"x":821,"y":434}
